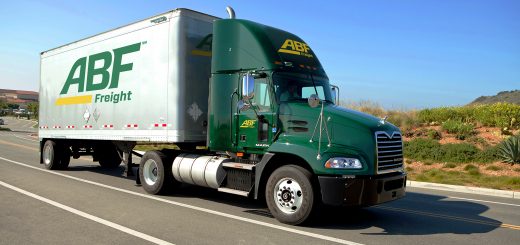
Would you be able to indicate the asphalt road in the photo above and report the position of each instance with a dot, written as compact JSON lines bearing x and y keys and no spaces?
{"x":90,"y":205}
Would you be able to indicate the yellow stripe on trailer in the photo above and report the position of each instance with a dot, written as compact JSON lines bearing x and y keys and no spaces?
{"x":84,"y":99}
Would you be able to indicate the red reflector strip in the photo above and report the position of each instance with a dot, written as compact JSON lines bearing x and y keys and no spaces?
{"x":160,"y":125}
{"x":56,"y":126}
{"x":87,"y":126}
{"x":71,"y":126}
{"x":108,"y":126}
{"x":131,"y":126}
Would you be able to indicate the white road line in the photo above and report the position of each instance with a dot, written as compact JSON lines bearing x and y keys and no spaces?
{"x":477,"y":200}
{"x":88,"y":216}
{"x":205,"y":210}
{"x":20,"y":137}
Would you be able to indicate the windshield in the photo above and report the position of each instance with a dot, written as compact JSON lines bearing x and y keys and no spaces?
{"x":299,"y":87}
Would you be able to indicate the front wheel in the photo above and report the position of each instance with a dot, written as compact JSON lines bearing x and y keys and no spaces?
{"x":289,"y":194}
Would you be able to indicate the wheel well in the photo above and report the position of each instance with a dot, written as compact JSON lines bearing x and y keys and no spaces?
{"x":279,"y":160}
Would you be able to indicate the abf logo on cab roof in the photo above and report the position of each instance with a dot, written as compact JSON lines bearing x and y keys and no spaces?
{"x":295,"y":47}
{"x":83,"y":71}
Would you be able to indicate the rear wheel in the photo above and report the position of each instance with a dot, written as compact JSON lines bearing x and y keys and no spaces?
{"x":51,"y":155}
{"x":155,"y":172}
{"x":65,"y":154}
{"x":289,"y":194}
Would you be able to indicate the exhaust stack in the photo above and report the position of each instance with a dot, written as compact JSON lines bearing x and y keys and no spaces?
{"x":230,"y":12}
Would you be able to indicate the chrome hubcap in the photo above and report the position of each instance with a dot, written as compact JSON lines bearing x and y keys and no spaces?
{"x":150,"y":172}
{"x":48,"y":155}
{"x":288,"y":195}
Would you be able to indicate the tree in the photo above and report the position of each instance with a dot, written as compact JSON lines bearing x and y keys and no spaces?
{"x":33,"y":108}
{"x":13,"y":106}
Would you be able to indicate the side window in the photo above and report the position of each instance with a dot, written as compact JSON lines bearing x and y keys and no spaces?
{"x":307,"y":91}
{"x":262,"y":97}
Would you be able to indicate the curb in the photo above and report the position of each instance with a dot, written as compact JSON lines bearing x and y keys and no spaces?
{"x":464,"y":189}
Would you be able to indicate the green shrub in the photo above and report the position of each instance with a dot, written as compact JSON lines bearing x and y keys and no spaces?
{"x":488,"y":154}
{"x":493,"y":168}
{"x":434,"y":134}
{"x":509,"y":150}
{"x":423,"y":149}
{"x":409,"y":169}
{"x":478,"y":141}
{"x":492,"y":115}
{"x":461,"y":130}
{"x":431,"y":150}
{"x":449,"y":165}
{"x":460,"y":152}
{"x":470,"y":167}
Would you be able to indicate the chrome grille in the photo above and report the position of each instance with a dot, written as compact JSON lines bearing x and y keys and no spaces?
{"x":389,"y":152}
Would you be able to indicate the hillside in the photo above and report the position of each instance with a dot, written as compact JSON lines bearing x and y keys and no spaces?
{"x":504,"y":96}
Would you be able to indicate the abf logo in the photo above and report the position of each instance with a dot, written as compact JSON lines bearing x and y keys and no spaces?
{"x":295,"y":47}
{"x":250,"y":123}
{"x":85,"y":69}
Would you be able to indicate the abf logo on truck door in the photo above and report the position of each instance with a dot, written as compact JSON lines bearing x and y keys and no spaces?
{"x":84,"y":70}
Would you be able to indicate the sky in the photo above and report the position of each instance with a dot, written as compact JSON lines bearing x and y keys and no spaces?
{"x":401,"y":54}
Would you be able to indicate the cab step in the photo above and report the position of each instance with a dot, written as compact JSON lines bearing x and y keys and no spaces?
{"x":238,"y":165}
{"x":233,"y":191}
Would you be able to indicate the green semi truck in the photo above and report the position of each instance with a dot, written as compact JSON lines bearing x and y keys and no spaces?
{"x":249,"y":108}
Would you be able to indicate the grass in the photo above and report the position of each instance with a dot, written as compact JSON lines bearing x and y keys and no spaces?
{"x":462,"y":178}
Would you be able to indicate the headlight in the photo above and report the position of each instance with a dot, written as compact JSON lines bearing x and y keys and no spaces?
{"x":343,"y":162}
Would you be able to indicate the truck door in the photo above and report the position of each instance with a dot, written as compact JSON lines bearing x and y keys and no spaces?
{"x":255,"y":123}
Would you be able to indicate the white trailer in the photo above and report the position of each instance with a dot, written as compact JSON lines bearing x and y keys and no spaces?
{"x":147,"y":81}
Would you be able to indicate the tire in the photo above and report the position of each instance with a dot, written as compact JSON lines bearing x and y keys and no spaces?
{"x":289,"y":194}
{"x":155,"y":173}
{"x":108,"y":156}
{"x":65,"y":157}
{"x":51,"y":155}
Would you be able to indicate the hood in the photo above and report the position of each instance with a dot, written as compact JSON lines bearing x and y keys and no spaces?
{"x":299,"y":116}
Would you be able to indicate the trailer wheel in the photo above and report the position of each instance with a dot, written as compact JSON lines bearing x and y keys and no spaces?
{"x":51,"y":155}
{"x":108,"y":156}
{"x":65,"y":157}
{"x":155,"y":172}
{"x":289,"y":194}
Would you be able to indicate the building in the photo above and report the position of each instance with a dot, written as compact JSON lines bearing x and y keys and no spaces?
{"x":20,"y":97}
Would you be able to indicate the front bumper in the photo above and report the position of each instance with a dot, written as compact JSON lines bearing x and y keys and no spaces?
{"x":362,"y":190}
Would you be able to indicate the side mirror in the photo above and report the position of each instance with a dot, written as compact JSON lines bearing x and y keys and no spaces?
{"x":334,"y":90}
{"x":313,"y":100}
{"x":248,"y":87}
{"x":243,"y":106}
